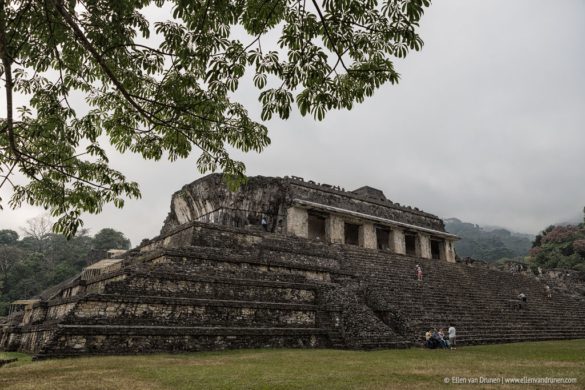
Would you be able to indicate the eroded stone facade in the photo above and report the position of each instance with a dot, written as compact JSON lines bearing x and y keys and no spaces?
{"x":315,"y":211}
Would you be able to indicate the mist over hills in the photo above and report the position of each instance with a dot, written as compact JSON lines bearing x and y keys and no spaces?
{"x":489,"y":243}
{"x":572,"y":221}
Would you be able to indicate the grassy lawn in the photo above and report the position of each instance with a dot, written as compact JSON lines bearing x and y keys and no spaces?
{"x":305,"y":369}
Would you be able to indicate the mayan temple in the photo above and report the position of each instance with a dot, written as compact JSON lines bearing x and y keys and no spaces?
{"x":284,"y":262}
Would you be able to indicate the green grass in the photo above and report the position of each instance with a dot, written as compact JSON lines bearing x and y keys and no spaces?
{"x":305,"y":369}
{"x":23,"y":358}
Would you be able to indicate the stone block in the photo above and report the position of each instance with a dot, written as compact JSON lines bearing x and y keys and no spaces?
{"x":297,"y":222}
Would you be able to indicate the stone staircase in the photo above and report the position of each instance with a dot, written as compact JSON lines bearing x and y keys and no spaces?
{"x":481,"y":303}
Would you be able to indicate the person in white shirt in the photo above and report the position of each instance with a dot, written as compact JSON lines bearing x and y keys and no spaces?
{"x":452,"y":336}
{"x":419,"y":273}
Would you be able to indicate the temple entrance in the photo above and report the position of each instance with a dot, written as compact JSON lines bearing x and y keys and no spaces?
{"x":410,"y":243}
{"x":316,"y":226}
{"x":436,"y":249}
{"x":383,"y":238}
{"x":352,"y":234}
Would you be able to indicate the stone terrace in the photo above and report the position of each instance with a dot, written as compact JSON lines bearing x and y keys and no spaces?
{"x":208,"y":287}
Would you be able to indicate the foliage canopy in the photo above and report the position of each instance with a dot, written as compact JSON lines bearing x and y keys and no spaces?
{"x":36,"y":262}
{"x":560,"y":247}
{"x":165,"y":87}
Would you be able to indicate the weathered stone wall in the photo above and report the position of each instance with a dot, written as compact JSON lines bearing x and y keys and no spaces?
{"x":170,"y":284}
{"x":209,"y":200}
{"x":86,"y":341}
{"x":98,"y":285}
{"x":207,"y":235}
{"x":30,"y":340}
{"x":259,"y":196}
{"x":297,"y":222}
{"x":244,"y":268}
{"x":34,"y":315}
{"x":565,"y":281}
{"x":59,"y":311}
{"x":361,"y":204}
{"x":112,"y":310}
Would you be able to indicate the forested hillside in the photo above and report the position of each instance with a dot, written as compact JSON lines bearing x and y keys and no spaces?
{"x":560,"y":247}
{"x":40,"y":259}
{"x":487,"y":244}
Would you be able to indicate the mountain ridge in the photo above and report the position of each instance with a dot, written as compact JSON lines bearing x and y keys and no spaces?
{"x":489,"y":243}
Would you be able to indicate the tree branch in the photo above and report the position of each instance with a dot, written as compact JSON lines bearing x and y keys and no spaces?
{"x":7,"y":64}
{"x":326,"y":29}
{"x":7,"y":177}
{"x":87,"y":45}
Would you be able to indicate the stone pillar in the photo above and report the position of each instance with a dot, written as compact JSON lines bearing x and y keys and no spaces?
{"x":368,"y":236}
{"x":425,"y":246}
{"x":397,"y":243}
{"x":450,"y":251}
{"x":297,"y":222}
{"x":334,"y":229}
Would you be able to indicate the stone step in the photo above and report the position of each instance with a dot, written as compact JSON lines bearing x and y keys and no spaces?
{"x":244,"y":270}
{"x":75,"y":340}
{"x":106,"y":309}
{"x":205,"y":286}
{"x":479,"y":301}
{"x":190,"y":330}
{"x":152,"y":299}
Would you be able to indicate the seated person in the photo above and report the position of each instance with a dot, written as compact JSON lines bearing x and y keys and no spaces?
{"x":429,"y":341}
{"x":438,"y":339}
{"x":444,"y":343}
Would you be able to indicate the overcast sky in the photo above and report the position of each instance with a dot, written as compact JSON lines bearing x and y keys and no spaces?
{"x":487,"y":125}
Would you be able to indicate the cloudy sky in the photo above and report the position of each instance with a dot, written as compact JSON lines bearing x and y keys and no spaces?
{"x":487,"y":125}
